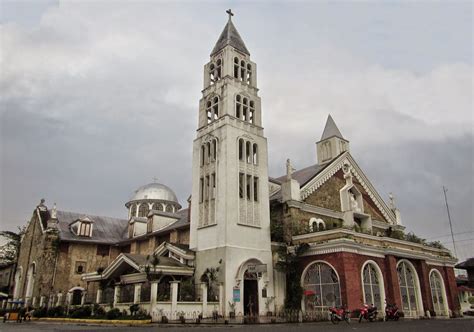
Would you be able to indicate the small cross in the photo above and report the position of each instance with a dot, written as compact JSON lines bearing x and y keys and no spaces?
{"x":229,"y":11}
{"x":155,"y":179}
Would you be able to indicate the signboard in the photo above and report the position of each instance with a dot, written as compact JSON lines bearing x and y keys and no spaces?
{"x":257,"y":268}
{"x":236,"y":294}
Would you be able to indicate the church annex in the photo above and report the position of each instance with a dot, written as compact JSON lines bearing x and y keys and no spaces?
{"x":218,"y":252}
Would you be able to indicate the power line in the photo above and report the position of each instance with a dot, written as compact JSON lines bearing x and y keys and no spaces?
{"x":445,"y":190}
{"x":460,"y":240}
{"x":437,"y":237}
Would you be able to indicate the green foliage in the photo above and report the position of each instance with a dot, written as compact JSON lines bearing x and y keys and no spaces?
{"x":210,"y":277}
{"x":98,"y":310}
{"x":276,"y":231}
{"x":187,"y":290}
{"x":10,"y":249}
{"x":55,"y":311}
{"x":40,"y":312}
{"x":436,"y":244}
{"x":134,"y":309}
{"x":289,"y":264}
{"x":470,"y":300}
{"x":81,"y":312}
{"x":396,"y":234}
{"x":113,"y":313}
{"x":413,"y":238}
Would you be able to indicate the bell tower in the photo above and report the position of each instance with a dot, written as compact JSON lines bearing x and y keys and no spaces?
{"x":230,"y":219}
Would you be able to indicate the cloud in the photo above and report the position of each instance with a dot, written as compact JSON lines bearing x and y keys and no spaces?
{"x":98,"y":99}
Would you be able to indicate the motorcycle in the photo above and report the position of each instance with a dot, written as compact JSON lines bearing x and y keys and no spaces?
{"x":368,"y":312}
{"x":339,"y":314}
{"x":391,"y":312}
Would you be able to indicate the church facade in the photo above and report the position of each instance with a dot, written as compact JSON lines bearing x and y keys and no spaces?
{"x":221,"y":252}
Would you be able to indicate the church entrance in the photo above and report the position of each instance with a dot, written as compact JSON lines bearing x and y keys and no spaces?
{"x":250,"y":294}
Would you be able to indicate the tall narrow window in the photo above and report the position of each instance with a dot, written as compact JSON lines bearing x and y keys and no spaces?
{"x":241,"y":149}
{"x":248,"y":152}
{"x":255,"y":153}
{"x":219,"y":69}
{"x":249,"y":73}
{"x":208,"y":152}
{"x":209,"y":112}
{"x":255,"y":189}
{"x":249,"y":187}
{"x":215,"y":108}
{"x":238,"y":106}
{"x":206,"y":189}
{"x":242,"y":71}
{"x":214,"y":150}
{"x":212,"y":109}
{"x":241,"y":185}
{"x":203,"y":153}
{"x":212,"y":73}
{"x":252,"y":112}
{"x":236,"y":68}
{"x":213,"y":185}
{"x":372,"y":285}
{"x":201,"y":190}
{"x":245,"y":110}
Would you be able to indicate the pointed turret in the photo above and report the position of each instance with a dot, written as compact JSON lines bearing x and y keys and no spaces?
{"x":332,"y":143}
{"x":331,"y":129}
{"x":230,"y":36}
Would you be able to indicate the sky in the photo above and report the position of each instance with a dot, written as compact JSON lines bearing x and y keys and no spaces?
{"x":99,"y":97}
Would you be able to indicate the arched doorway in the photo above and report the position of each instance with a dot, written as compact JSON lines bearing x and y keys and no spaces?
{"x":250,"y":293}
{"x":412,"y":305}
{"x":438,"y":293}
{"x":321,"y":287}
{"x":373,"y":285}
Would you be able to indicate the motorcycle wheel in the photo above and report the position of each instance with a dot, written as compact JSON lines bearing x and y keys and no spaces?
{"x":396,"y":317}
{"x":360,"y":318}
{"x":334,"y":320}
{"x":347,"y":319}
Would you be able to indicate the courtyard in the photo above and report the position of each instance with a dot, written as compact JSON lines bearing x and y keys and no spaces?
{"x":435,"y":325}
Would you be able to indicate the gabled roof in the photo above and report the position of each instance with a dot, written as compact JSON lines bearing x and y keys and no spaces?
{"x":230,"y":36}
{"x":106,"y":230}
{"x":331,"y":130}
{"x":305,"y":174}
{"x":467,"y":264}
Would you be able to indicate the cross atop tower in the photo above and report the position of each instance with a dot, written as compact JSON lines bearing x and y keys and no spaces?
{"x":229,"y":12}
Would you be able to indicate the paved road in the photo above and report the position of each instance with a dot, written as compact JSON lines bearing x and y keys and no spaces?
{"x":456,"y":325}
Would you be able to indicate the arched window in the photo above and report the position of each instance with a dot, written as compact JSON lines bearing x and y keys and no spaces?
{"x":212,"y":109}
{"x":409,"y":289}
{"x":243,"y":71}
{"x":438,"y":293}
{"x":76,"y":297}
{"x":212,"y":69}
{"x":133,"y":210}
{"x":203,"y":154}
{"x":245,"y":109}
{"x":236,"y":67}
{"x":320,"y":287}
{"x":143,"y":210}
{"x":208,"y":152}
{"x":249,"y":73}
{"x":251,"y":112}
{"x":158,"y":206}
{"x":255,"y":153}
{"x":372,"y":285}
{"x":213,"y":150}
{"x":169,"y":208}
{"x":317,"y":225}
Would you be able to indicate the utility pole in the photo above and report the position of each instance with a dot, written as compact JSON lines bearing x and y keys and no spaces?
{"x":445,"y":190}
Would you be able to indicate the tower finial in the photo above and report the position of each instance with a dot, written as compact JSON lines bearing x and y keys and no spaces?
{"x":229,"y":12}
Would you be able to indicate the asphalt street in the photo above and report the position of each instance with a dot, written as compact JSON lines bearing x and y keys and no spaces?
{"x":438,"y":325}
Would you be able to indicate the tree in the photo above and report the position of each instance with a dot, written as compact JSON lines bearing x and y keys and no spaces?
{"x":10,"y":250}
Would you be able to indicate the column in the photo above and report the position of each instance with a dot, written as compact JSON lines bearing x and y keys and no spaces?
{"x":116,"y":295}
{"x":60,"y":298}
{"x":221,"y":300}
{"x":392,"y":288}
{"x":136,"y":294}
{"x":33,"y":302}
{"x":423,"y":275}
{"x":204,"y":299}
{"x":451,"y":289}
{"x":41,"y":301}
{"x":98,"y":297}
{"x":174,"y":297}
{"x":154,"y":291}
{"x":83,"y":297}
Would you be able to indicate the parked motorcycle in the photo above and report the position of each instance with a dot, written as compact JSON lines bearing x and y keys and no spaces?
{"x":368,"y":312}
{"x":391,"y":312}
{"x":339,"y":314}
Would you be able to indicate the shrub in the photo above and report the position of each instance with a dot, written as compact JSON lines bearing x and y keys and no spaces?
{"x":134,"y":309}
{"x":415,"y":239}
{"x":396,"y":234}
{"x":81,"y":312}
{"x":40,"y":312}
{"x":98,"y":310}
{"x":55,"y":311}
{"x":113,"y":313}
{"x":436,"y":244}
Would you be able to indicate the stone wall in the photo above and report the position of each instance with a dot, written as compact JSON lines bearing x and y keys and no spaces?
{"x":327,"y":196}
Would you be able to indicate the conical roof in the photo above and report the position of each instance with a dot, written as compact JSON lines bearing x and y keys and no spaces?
{"x":230,"y":36}
{"x":331,"y":129}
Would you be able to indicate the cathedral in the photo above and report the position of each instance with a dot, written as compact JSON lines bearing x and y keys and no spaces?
{"x":220,"y":252}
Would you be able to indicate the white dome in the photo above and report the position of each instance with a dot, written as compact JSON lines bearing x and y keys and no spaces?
{"x":156,"y":191}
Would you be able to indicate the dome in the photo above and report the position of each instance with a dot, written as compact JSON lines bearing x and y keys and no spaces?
{"x":156,"y":191}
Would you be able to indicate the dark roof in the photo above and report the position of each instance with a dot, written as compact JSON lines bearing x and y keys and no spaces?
{"x":143,"y":260}
{"x":230,"y":36}
{"x":105,"y":229}
{"x":184,"y":247}
{"x":305,"y":174}
{"x":467,"y":264}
